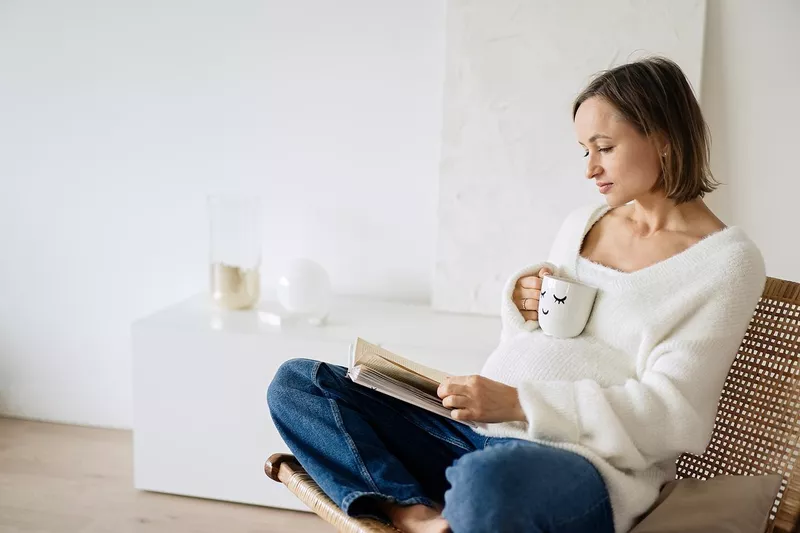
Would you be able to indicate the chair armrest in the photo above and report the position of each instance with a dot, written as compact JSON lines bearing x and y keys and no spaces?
{"x":273,"y":465}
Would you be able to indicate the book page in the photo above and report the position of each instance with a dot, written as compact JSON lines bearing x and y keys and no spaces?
{"x":396,"y":372}
{"x":363,"y":347}
{"x":364,"y":375}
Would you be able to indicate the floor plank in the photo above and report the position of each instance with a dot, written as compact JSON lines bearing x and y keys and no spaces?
{"x":57,"y":478}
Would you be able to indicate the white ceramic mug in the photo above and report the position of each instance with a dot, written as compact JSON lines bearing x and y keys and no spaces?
{"x":564,"y":306}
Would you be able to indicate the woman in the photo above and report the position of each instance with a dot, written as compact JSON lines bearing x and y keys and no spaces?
{"x":578,"y":434}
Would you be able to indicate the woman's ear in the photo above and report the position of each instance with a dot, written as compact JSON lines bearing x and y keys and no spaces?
{"x":661,"y":144}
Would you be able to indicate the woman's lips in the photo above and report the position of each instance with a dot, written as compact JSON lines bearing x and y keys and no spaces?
{"x":604,"y":187}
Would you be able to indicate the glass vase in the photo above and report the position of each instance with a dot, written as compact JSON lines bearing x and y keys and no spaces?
{"x":235,"y":251}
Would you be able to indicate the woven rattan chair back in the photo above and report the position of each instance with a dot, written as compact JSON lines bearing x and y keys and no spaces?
{"x":757,"y":425}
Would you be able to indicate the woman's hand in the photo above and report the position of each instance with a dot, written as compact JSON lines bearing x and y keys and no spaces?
{"x":526,"y":294}
{"x":480,"y":399}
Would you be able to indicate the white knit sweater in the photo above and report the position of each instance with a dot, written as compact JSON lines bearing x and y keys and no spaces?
{"x":640,"y":385}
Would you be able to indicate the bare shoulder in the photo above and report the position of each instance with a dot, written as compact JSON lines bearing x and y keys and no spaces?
{"x":703,"y":226}
{"x":608,"y":225}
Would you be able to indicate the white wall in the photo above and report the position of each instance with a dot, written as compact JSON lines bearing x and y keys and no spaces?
{"x":751,"y":83}
{"x":117,"y":118}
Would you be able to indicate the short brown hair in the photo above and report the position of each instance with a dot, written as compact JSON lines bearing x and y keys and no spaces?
{"x":654,"y":95}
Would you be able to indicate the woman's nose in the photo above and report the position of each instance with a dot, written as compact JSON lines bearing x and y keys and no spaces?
{"x":592,"y":168}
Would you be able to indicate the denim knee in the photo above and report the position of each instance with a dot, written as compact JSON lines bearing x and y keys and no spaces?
{"x":481,"y":496}
{"x":521,"y":486}
{"x":292,"y":374}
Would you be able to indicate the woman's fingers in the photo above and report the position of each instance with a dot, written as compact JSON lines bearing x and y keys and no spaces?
{"x":529,"y":282}
{"x":451,"y":386}
{"x":455,"y":401}
{"x":527,"y":308}
{"x":462,"y":414}
{"x":526,"y":305}
{"x":520,"y":293}
{"x":529,"y":287}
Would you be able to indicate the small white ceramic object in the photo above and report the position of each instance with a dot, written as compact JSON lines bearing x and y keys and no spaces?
{"x":564,"y":306}
{"x":304,"y":290}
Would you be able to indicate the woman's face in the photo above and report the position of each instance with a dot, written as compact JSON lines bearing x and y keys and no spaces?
{"x":624,"y":163}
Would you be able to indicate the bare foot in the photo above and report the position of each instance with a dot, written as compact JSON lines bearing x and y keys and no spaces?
{"x":416,"y":518}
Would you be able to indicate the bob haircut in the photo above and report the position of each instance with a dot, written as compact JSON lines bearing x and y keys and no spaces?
{"x":654,"y":95}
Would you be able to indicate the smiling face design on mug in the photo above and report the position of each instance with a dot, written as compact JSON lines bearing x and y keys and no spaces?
{"x":548,"y":304}
{"x":564,"y":306}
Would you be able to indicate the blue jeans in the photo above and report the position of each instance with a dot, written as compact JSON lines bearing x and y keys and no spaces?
{"x":362,"y":448}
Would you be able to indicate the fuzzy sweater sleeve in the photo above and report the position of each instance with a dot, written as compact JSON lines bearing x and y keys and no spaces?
{"x":671,"y":406}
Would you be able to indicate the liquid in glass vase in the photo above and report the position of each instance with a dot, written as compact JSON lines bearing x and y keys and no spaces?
{"x":235,"y":254}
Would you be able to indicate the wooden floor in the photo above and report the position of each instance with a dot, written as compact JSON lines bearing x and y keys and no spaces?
{"x":63,"y":479}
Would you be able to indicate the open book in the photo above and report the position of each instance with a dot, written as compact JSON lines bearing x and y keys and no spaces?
{"x":395,"y":376}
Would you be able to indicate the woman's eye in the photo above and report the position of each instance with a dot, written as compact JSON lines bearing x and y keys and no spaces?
{"x":601,"y":150}
{"x":559,"y":300}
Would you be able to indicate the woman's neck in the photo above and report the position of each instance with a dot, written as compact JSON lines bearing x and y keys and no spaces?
{"x":656,"y":213}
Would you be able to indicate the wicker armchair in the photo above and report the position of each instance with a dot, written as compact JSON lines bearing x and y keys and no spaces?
{"x":757,"y":429}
